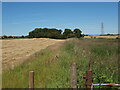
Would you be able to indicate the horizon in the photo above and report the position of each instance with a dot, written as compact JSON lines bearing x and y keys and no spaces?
{"x":19,"y":18}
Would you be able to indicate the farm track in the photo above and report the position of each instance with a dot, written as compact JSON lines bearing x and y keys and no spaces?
{"x":16,"y":51}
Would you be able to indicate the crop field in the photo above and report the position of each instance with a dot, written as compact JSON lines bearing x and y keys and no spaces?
{"x":52,"y":64}
{"x":104,"y":37}
{"x":15,"y":51}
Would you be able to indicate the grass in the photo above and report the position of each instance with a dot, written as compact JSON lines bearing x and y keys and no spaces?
{"x":106,"y":71}
{"x":52,"y":67}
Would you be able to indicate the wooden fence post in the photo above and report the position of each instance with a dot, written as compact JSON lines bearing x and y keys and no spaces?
{"x":89,"y":80}
{"x":31,"y":80}
{"x":73,"y":76}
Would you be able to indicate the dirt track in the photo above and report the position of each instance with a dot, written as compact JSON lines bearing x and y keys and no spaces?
{"x":17,"y":50}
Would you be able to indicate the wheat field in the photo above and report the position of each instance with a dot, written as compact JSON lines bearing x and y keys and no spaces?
{"x":16,"y":51}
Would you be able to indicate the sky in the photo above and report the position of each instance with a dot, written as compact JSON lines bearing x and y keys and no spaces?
{"x":19,"y":18}
{"x":60,"y":0}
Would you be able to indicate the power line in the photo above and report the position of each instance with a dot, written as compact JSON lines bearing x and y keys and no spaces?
{"x":102,"y":28}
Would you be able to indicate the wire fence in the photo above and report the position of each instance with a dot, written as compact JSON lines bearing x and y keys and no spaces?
{"x":105,"y":84}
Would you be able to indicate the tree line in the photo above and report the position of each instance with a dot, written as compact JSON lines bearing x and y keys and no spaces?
{"x":50,"y":33}
{"x":12,"y":37}
{"x":55,"y":33}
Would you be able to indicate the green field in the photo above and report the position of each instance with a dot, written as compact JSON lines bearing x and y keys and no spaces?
{"x":52,"y":65}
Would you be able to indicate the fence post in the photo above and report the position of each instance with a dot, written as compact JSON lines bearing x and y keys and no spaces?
{"x":31,"y":80}
{"x":89,"y":80}
{"x":73,"y":76}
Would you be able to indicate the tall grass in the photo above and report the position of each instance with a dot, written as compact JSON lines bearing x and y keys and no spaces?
{"x":105,"y":66}
{"x":52,"y":67}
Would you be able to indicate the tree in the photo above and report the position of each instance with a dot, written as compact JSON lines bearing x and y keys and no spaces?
{"x":68,"y":33}
{"x":22,"y":36}
{"x":45,"y":33}
{"x":54,"y":33}
{"x":10,"y":37}
{"x":77,"y":33}
{"x":4,"y":37}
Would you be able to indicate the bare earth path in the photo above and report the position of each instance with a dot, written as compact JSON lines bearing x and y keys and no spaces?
{"x":17,"y":50}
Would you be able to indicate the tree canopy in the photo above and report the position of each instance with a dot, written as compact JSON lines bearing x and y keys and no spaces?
{"x":45,"y":33}
{"x":54,"y":33}
{"x":77,"y":33}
